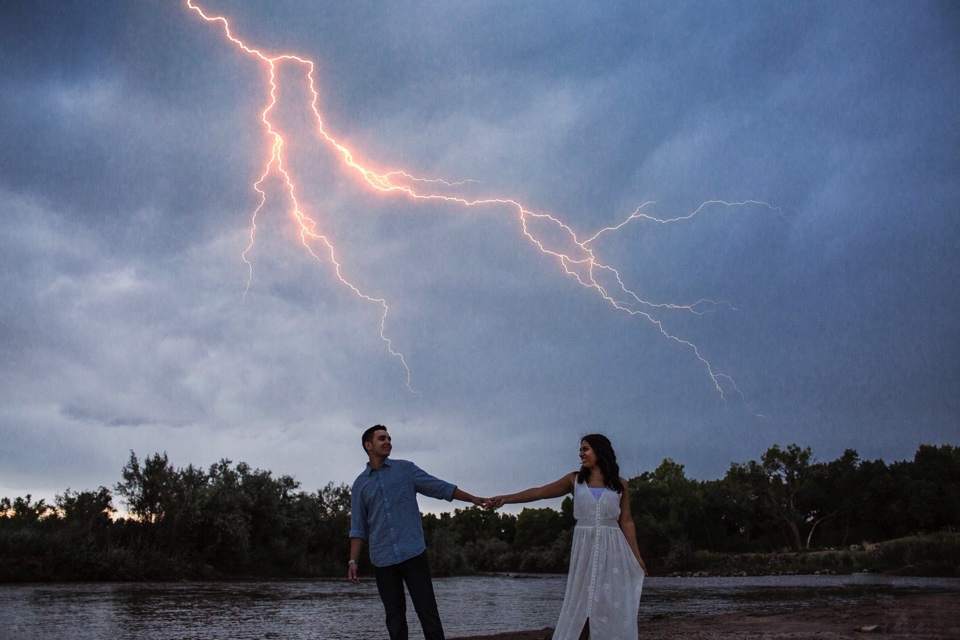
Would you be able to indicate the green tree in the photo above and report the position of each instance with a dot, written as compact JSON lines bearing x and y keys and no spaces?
{"x":830,"y":491}
{"x":330,"y":540}
{"x":750,"y":511}
{"x":147,"y":490}
{"x":935,"y":487}
{"x":183,"y":523}
{"x":731,"y":521}
{"x":86,"y":511}
{"x":447,"y":556}
{"x":474,"y":524}
{"x":227,"y":516}
{"x":668,"y":511}
{"x":537,"y":528}
{"x":782,"y":475}
{"x":878,"y":511}
{"x":269,"y":499}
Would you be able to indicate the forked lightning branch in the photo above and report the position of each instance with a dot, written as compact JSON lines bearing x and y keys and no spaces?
{"x":576,"y":255}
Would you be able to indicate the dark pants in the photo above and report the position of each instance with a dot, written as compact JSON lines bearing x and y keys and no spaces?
{"x":415,"y":572}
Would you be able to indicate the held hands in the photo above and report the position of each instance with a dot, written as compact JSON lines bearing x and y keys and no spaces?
{"x":483,"y":503}
{"x":488,"y":504}
{"x":494,"y":503}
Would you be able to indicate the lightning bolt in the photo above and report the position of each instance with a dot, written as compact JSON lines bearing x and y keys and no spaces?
{"x":576,"y":256}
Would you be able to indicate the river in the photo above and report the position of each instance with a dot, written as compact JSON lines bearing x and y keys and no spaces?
{"x":336,"y":609}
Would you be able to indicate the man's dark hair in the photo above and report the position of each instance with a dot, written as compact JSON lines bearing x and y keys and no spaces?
{"x":606,"y":461}
{"x":368,"y":434}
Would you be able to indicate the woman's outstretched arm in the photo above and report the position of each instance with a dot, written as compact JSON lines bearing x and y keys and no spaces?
{"x":553,"y":490}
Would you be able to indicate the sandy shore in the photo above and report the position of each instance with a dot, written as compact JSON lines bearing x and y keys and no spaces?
{"x":911,"y":617}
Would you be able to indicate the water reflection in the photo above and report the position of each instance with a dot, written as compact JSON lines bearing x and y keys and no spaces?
{"x":328,"y":609}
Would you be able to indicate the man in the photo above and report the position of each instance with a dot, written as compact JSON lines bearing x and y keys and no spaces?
{"x":387,"y":516}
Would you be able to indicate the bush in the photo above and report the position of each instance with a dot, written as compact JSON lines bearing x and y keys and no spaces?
{"x":936,"y":555}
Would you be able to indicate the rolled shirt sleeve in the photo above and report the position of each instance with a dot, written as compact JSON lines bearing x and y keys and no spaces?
{"x":432,"y":487}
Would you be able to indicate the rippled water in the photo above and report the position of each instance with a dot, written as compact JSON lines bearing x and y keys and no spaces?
{"x":329,"y":609}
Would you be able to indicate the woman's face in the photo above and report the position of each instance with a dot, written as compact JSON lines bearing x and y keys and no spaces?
{"x":588,"y":458}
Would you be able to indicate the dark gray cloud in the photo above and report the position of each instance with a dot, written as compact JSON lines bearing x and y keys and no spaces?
{"x":132,"y":140}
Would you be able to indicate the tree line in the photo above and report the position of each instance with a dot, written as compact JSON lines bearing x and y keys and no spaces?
{"x":787,"y":500}
{"x":234,"y":521}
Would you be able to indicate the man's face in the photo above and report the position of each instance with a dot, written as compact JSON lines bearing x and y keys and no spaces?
{"x":381,"y":444}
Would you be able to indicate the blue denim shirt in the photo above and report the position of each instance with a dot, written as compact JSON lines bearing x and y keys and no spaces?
{"x":385,"y":512}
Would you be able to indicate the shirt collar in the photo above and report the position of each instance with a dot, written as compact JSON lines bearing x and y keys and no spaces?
{"x":369,"y":469}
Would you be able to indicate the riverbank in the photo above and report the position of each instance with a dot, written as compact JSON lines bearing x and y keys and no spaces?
{"x":915,"y":616}
{"x":936,"y":555}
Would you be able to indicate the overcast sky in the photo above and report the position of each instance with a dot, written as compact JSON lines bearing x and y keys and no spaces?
{"x":131,"y":138}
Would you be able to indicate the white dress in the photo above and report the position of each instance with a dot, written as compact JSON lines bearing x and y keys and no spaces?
{"x":605,"y":579}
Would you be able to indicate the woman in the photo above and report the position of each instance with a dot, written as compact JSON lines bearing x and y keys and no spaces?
{"x":606,"y":571}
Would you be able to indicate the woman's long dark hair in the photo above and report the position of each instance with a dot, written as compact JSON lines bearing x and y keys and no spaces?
{"x":606,"y":462}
